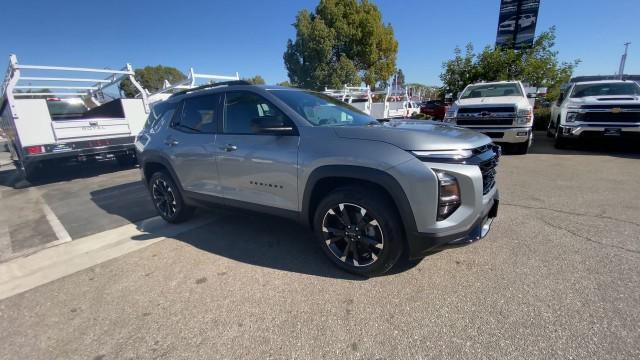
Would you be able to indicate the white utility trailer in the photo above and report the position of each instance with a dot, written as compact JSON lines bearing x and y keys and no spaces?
{"x":396,"y":104}
{"x":358,"y":97}
{"x":73,"y":118}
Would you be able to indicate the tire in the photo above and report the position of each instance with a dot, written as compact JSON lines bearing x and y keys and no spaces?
{"x":126,"y":160}
{"x":559,"y":142}
{"x":521,"y":149}
{"x":359,"y":231}
{"x":167,"y":199}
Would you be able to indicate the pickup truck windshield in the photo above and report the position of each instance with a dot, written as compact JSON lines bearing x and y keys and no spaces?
{"x":604,"y":89}
{"x":491,"y":90}
{"x":322,"y":110}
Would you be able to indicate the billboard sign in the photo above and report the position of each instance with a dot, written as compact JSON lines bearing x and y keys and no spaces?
{"x":517,"y":23}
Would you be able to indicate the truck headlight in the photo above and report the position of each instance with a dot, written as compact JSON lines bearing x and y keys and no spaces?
{"x":525,"y":117}
{"x":450,"y":116}
{"x":571,"y":117}
{"x":448,"y":195}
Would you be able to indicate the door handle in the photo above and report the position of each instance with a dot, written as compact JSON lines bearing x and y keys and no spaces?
{"x":229,"y":148}
{"x":171,"y":142}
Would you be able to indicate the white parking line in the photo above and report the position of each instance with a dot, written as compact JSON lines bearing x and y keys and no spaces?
{"x":54,"y":222}
{"x":55,"y":262}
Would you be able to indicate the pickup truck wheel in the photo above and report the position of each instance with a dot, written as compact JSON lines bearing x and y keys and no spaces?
{"x":521,"y":149}
{"x":167,"y":199}
{"x":559,"y":142}
{"x":358,"y":231}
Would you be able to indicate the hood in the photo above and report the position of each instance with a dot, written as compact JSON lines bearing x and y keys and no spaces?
{"x":417,"y":135}
{"x":500,"y":100}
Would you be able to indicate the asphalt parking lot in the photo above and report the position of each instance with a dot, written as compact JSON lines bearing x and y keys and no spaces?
{"x":556,"y":278}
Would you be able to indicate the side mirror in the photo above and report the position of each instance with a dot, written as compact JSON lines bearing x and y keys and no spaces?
{"x":458,"y":95}
{"x":271,"y":125}
{"x":560,"y":98}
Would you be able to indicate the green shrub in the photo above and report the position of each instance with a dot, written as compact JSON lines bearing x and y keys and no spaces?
{"x":541,"y":118}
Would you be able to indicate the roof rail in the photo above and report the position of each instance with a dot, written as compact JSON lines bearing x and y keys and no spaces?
{"x":212,"y":86}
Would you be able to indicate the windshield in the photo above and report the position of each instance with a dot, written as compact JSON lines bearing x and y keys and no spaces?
{"x":491,"y":90}
{"x":322,"y":110}
{"x":604,"y":89}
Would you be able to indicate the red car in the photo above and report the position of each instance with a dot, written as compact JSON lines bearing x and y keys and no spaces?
{"x":434,"y":108}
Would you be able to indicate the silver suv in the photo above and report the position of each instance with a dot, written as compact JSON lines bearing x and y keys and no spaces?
{"x":370,"y":192}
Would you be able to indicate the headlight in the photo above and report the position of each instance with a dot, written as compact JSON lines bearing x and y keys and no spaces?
{"x":443,"y":154}
{"x":450,"y":116}
{"x":525,"y":117}
{"x":448,"y":195}
{"x":571,"y":117}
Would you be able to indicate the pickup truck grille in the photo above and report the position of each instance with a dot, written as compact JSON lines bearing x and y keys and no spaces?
{"x":496,"y":115}
{"x":488,"y":166}
{"x":483,"y":121}
{"x":608,"y":117}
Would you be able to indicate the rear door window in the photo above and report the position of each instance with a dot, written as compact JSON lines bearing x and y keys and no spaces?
{"x":198,"y":115}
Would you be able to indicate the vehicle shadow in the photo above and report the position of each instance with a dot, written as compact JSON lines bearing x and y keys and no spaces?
{"x":251,"y":238}
{"x":60,"y":172}
{"x":621,"y":148}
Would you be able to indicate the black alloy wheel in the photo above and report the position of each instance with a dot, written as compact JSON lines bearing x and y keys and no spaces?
{"x":167,"y":199}
{"x":359,"y":230}
{"x":352,"y":234}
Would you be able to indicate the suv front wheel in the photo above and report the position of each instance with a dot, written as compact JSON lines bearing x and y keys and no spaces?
{"x":167,"y":199}
{"x":359,"y":231}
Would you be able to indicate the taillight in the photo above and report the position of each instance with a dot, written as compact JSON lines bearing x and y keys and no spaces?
{"x":35,"y":150}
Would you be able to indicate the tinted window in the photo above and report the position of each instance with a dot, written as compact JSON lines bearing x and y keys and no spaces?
{"x":322,"y":110}
{"x":160,"y":113}
{"x":243,"y":108}
{"x":604,"y":89}
{"x":198,"y":114}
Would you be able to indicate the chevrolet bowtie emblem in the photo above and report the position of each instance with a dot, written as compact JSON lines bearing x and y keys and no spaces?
{"x":616,"y":110}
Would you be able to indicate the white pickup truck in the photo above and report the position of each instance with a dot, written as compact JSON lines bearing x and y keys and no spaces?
{"x":57,"y":116}
{"x":609,"y":108}
{"x":500,"y":110}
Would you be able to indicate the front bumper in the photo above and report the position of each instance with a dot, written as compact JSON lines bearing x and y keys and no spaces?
{"x":504,"y":134}
{"x":597,"y":130}
{"x":421,"y":244}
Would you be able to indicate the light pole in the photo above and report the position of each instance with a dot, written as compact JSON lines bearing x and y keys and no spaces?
{"x":623,"y":60}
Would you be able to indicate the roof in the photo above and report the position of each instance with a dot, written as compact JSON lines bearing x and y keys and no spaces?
{"x":604,"y":81}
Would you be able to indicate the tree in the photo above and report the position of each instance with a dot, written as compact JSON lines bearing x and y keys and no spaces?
{"x":151,"y":78}
{"x":342,"y":42}
{"x":398,"y":79}
{"x":426,"y":91}
{"x":256,"y":80}
{"x":537,"y":65}
{"x":284,"y":83}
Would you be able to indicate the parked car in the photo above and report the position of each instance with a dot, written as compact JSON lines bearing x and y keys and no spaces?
{"x":500,"y":110}
{"x":608,"y":108}
{"x":434,"y":108}
{"x":369,"y":191}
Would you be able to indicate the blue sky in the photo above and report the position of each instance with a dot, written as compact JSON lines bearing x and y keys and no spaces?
{"x":249,"y":36}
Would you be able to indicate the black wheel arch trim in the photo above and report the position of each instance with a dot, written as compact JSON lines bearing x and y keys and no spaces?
{"x":376,"y":176}
{"x":158,"y":159}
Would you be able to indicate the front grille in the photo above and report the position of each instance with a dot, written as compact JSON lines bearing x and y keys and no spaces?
{"x":488,"y":167}
{"x":484,"y":121}
{"x":493,"y":109}
{"x":608,"y":117}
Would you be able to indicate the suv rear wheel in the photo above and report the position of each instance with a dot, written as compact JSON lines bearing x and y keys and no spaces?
{"x":167,"y":199}
{"x":359,"y":231}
